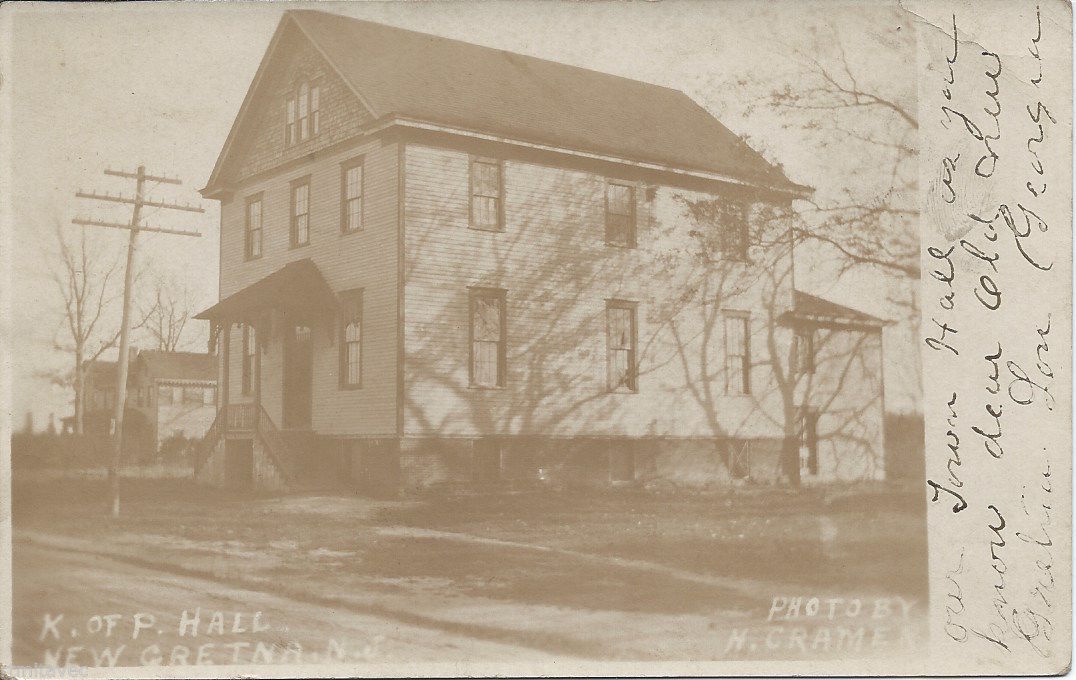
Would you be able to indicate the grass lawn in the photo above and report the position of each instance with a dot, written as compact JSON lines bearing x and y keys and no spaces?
{"x":622,"y":569}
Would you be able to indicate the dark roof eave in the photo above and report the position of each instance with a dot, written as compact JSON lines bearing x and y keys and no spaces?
{"x":298,"y":285}
{"x":219,"y":189}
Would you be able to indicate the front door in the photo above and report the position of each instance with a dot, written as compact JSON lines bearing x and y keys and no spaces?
{"x":298,"y":372}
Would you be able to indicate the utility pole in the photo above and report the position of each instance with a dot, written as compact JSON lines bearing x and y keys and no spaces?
{"x":134,"y":227}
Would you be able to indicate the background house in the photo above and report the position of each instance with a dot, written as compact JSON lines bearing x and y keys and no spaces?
{"x":174,"y":392}
{"x":443,"y":263}
{"x":99,"y":394}
{"x":169,"y":394}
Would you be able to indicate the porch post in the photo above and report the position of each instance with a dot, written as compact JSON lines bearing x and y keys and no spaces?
{"x":226,"y":378}
{"x":258,"y":330}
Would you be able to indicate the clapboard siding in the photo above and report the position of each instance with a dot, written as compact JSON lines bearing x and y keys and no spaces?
{"x":558,"y":272}
{"x":366,"y":259}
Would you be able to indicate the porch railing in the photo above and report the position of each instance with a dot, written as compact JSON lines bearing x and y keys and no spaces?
{"x":274,"y":442}
{"x":240,"y":418}
{"x":245,"y":421}
{"x":209,"y":442}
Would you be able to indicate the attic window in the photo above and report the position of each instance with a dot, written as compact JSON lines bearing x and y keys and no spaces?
{"x":303,"y":114}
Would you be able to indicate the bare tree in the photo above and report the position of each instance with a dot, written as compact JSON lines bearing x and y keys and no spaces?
{"x":834,"y":103}
{"x":168,"y":314}
{"x":85,"y":277}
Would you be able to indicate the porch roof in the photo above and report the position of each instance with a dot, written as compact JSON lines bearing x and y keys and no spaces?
{"x":297,"y":287}
{"x":810,"y":310}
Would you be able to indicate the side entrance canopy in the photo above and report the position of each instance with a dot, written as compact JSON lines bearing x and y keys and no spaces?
{"x":297,"y":289}
{"x":809,"y":310}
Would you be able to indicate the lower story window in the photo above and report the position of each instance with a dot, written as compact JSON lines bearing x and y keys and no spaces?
{"x":351,"y":339}
{"x":737,"y":353}
{"x":488,"y":330}
{"x":621,"y":337}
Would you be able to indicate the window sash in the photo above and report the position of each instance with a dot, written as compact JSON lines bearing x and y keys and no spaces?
{"x":620,"y":214}
{"x":488,"y":338}
{"x":352,"y":206}
{"x":254,"y":228}
{"x":300,"y":220}
{"x":486,"y":191}
{"x":487,"y":319}
{"x":304,"y":108}
{"x":354,"y":361}
{"x":315,"y":113}
{"x":737,"y":355}
{"x":351,"y":339}
{"x":734,"y":232}
{"x":621,"y":338}
{"x":486,"y":372}
{"x":289,"y":134}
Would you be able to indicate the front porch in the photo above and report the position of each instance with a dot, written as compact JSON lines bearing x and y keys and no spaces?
{"x":263,"y":433}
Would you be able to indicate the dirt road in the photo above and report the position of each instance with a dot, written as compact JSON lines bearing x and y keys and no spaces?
{"x":87,"y":610}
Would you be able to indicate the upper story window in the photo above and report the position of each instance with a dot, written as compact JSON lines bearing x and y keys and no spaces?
{"x":487,"y":194}
{"x":621,"y":340}
{"x":805,"y":351}
{"x":300,"y":212}
{"x":351,"y":339}
{"x":254,"y":227}
{"x":488,"y":330}
{"x":734,"y":230}
{"x":303,"y":114}
{"x":620,"y":214}
{"x":737,"y":353}
{"x":351,"y":197}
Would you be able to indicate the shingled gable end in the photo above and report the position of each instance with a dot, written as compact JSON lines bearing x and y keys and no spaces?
{"x":443,"y":263}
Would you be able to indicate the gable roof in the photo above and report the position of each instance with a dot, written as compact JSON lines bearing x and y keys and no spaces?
{"x":179,"y":365}
{"x":101,"y":370}
{"x":401,"y":74}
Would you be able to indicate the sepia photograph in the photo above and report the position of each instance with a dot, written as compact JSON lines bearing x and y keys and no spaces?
{"x":533,"y":338}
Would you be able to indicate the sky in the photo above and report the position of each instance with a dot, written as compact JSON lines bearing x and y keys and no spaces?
{"x":117,"y":85}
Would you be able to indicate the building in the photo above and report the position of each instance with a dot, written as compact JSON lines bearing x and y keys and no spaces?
{"x":175,"y":393}
{"x":169,"y":394}
{"x":448,"y":264}
{"x":99,"y":395}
